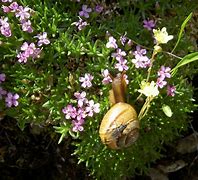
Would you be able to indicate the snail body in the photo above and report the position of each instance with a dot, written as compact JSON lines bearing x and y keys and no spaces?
{"x":120,"y":126}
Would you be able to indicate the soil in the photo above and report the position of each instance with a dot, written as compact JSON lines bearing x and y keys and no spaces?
{"x":25,"y":154}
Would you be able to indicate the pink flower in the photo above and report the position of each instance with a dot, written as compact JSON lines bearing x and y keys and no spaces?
{"x":161,"y":83}
{"x":112,"y":43}
{"x":27,"y":26}
{"x":98,"y":8}
{"x":164,"y":72}
{"x":29,"y":50}
{"x":86,"y":80}
{"x":77,"y":125}
{"x":42,"y":39}
{"x":5,"y":31}
{"x":6,"y":9}
{"x":141,"y":61}
{"x":11,"y":99}
{"x":81,"y":97}
{"x":14,"y":6}
{"x":5,"y":27}
{"x":119,"y":54}
{"x":81,"y":114}
{"x":123,"y":39}
{"x":80,"y":24}
{"x":2,"y":92}
{"x":171,"y":90}
{"x":126,"y":79}
{"x":107,"y":79}
{"x":92,"y":108}
{"x":2,"y":77}
{"x":149,"y":24}
{"x":122,"y":65}
{"x":85,"y":11}
{"x":22,"y":58}
{"x":6,"y":0}
{"x":69,"y":111}
{"x":139,"y":51}
{"x":23,"y":13}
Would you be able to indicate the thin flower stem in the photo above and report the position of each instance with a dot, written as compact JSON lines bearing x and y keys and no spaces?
{"x":145,"y":108}
{"x":171,"y":54}
{"x":150,"y":68}
{"x":149,"y":71}
{"x":145,"y":112}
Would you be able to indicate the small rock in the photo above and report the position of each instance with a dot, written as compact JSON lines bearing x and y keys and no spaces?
{"x":188,"y":144}
{"x":156,"y":174}
{"x":173,"y":166}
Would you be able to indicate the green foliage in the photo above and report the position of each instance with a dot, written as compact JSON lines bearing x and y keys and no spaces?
{"x":47,"y":84}
{"x":185,"y":60}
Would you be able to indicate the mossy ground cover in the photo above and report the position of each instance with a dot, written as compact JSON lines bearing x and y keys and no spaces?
{"x":53,"y":60}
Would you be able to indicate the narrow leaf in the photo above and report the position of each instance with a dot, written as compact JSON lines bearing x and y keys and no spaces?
{"x":185,"y":60}
{"x":181,"y":30}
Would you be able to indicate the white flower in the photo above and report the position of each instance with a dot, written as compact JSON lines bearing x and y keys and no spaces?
{"x":162,"y":36}
{"x":149,"y":89}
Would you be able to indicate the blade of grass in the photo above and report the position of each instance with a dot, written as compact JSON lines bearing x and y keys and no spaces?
{"x":185,"y":60}
{"x":181,"y":30}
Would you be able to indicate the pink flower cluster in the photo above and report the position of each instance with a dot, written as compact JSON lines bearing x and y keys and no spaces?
{"x":121,"y":64}
{"x":84,"y":13}
{"x":84,"y":108}
{"x":5,"y":27}
{"x":106,"y":78}
{"x":164,"y":73}
{"x":22,"y":13}
{"x":119,"y":55}
{"x":30,"y":50}
{"x":140,"y":60}
{"x":10,"y":98}
{"x":171,"y":90}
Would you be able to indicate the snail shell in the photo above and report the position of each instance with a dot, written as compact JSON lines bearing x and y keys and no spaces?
{"x":120,"y":126}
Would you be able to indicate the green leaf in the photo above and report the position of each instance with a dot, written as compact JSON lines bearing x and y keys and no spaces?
{"x":185,"y":60}
{"x":46,"y":104}
{"x":181,"y":30}
{"x":63,"y":130}
{"x":74,"y":135}
{"x":167,"y":110}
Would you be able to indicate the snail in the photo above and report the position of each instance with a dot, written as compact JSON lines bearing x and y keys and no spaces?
{"x":120,"y":126}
